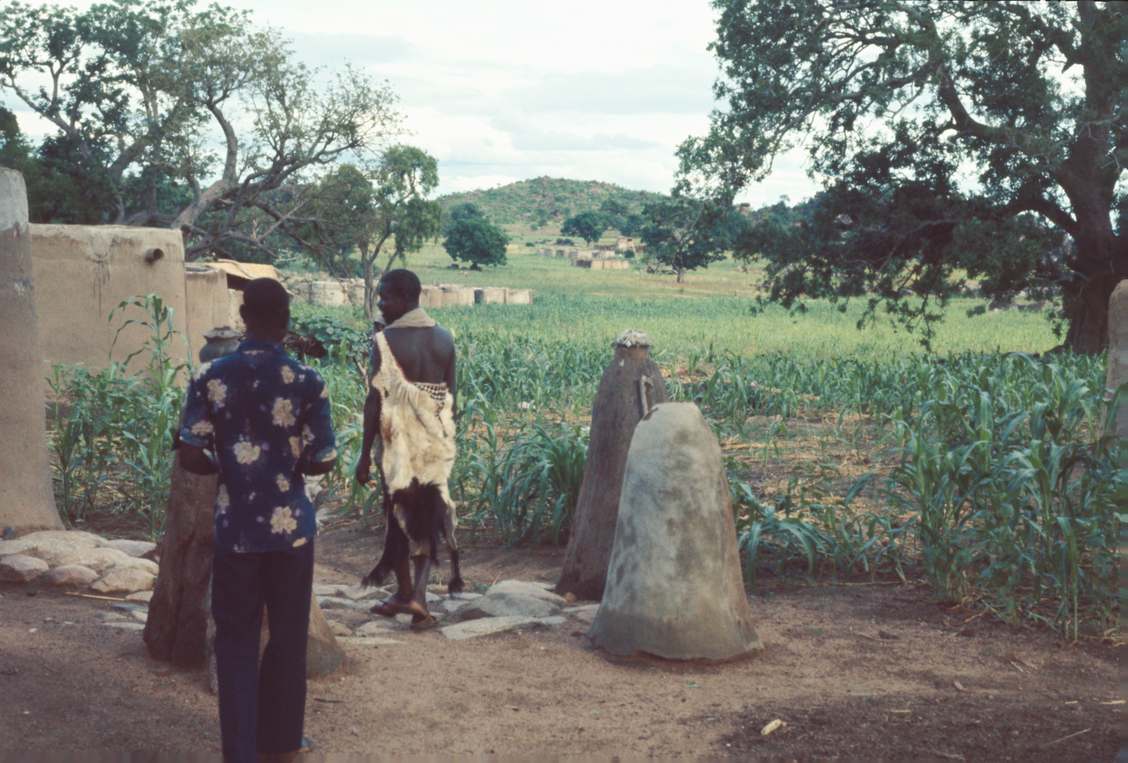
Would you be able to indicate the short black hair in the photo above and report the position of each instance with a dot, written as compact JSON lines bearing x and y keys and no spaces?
{"x":267,"y":303}
{"x":403,"y":283}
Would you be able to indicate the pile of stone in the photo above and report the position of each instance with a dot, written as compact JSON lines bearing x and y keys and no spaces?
{"x":79,"y":561}
{"x":506,"y":606}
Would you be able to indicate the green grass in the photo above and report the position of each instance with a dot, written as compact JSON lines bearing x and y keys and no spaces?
{"x":713,"y":307}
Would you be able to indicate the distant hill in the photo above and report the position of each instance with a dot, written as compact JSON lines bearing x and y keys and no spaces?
{"x":546,"y":200}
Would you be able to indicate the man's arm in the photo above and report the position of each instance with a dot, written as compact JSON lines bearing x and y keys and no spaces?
{"x":371,"y":417}
{"x":371,"y":427}
{"x":450,"y":381}
{"x":319,"y":446}
{"x":196,"y":434}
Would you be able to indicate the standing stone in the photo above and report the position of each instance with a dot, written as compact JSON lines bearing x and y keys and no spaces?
{"x":674,"y":587}
{"x":1118,"y":351}
{"x":616,"y":412}
{"x":26,"y":497}
{"x":176,"y":631}
{"x":180,"y":628}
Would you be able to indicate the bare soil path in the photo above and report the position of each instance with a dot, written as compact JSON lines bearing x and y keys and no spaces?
{"x":856,"y":672}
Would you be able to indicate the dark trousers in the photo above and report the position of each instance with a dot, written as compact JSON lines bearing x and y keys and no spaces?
{"x":261,"y":709}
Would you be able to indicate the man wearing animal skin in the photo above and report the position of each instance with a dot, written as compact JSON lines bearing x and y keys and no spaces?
{"x":411,"y":406}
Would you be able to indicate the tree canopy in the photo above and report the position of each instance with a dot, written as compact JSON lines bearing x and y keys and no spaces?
{"x":470,"y":237}
{"x":358,"y":211}
{"x":587,"y":225}
{"x":683,"y":233}
{"x":171,"y":114}
{"x":962,"y":144}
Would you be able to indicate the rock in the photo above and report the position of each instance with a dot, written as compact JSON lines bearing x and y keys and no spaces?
{"x":493,"y":625}
{"x":350,"y":617}
{"x":369,"y":641}
{"x":54,"y":546}
{"x":100,"y":560}
{"x":144,"y":564}
{"x":329,"y":589}
{"x":70,"y":576}
{"x":512,"y":598}
{"x":340,"y":602}
{"x":359,"y":593}
{"x":140,"y":615}
{"x":381,"y":627}
{"x":77,"y":537}
{"x":674,"y":585}
{"x":464,"y":596}
{"x":124,"y":580}
{"x":136,"y":548}
{"x":340,"y":629}
{"x":140,"y":596}
{"x":508,"y":605}
{"x":125,"y":625}
{"x":584,"y":613}
{"x":520,"y":587}
{"x":127,"y":607}
{"x":433,"y":598}
{"x":453,"y":605}
{"x":20,"y":568}
{"x":19,"y":546}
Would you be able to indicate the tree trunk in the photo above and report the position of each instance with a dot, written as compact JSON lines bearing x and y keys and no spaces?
{"x":681,"y":275}
{"x":369,"y":288}
{"x":1101,"y":261}
{"x":617,"y":410}
{"x":1086,"y":307}
{"x":26,"y":497}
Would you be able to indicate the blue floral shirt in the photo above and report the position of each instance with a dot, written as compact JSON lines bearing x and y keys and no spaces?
{"x":262,"y":413}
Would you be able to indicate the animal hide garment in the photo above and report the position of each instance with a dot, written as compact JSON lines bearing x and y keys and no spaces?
{"x":417,"y":442}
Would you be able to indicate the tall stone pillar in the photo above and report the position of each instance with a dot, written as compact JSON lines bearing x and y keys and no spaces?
{"x":26,"y":498}
{"x":630,"y":386}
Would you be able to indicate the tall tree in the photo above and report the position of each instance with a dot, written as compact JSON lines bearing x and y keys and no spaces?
{"x":361,"y":211}
{"x":140,"y":94}
{"x":683,"y":233}
{"x":468,"y":235}
{"x":960,"y":140}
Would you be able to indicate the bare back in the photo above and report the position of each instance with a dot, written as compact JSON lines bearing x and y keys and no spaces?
{"x":425,"y":354}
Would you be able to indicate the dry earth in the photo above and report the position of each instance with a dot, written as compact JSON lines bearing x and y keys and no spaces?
{"x":856,"y":672}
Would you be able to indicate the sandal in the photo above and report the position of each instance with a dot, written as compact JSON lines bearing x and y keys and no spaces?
{"x":390,"y":607}
{"x":420,"y":624}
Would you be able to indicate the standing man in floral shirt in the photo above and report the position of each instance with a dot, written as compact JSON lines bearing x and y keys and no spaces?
{"x":261,"y":420}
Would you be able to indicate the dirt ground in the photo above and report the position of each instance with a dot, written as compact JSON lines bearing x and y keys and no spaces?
{"x":854,"y":672}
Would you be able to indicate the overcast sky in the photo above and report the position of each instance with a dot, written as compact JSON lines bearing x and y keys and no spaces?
{"x":504,"y":90}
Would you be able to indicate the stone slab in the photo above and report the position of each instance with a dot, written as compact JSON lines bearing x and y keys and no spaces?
{"x":493,"y":625}
{"x":19,"y":568}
